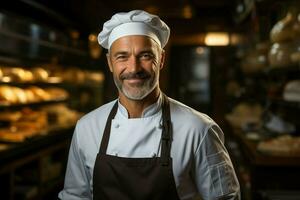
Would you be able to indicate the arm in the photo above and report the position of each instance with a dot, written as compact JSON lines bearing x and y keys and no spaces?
{"x":76,"y":185}
{"x":214,"y":172}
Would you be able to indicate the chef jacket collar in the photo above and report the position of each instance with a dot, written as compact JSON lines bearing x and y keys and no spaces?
{"x":149,"y":111}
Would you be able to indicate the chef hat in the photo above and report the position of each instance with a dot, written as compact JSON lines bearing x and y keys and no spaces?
{"x":136,"y":22}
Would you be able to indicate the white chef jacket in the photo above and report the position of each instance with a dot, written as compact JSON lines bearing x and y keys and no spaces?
{"x":201,"y":164}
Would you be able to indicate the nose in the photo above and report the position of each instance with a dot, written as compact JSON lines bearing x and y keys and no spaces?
{"x":133,"y":64}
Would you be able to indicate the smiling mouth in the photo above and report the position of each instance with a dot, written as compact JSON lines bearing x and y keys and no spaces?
{"x":135,"y":80}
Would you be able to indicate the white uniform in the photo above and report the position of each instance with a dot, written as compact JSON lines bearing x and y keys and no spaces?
{"x":201,"y":164}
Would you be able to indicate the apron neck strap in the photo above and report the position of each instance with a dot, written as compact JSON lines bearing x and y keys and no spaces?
{"x":106,"y":134}
{"x":166,"y":138}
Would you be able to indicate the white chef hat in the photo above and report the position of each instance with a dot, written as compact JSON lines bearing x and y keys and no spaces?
{"x":136,"y":22}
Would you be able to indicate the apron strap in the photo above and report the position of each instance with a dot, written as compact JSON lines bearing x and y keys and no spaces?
{"x":166,"y":132}
{"x":106,"y":134}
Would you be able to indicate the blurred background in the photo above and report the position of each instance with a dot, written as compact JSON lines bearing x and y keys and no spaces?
{"x":238,"y":61}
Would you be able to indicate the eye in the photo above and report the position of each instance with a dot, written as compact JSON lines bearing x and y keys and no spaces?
{"x":121,"y":57}
{"x":146,"y":56}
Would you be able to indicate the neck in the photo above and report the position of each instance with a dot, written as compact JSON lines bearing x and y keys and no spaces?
{"x":135,"y":108}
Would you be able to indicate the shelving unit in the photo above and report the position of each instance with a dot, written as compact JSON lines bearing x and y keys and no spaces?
{"x":265,"y":175}
{"x":31,"y":154}
{"x":34,"y":168}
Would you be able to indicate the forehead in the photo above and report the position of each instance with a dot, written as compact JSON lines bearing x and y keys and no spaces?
{"x":133,"y":41}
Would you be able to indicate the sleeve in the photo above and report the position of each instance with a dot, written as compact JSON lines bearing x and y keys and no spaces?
{"x":76,"y":186}
{"x":214,"y":172}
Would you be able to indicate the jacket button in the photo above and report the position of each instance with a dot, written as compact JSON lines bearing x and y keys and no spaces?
{"x":117,"y":125}
{"x":160,"y":126}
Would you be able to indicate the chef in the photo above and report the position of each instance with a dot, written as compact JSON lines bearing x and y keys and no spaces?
{"x":145,"y":145}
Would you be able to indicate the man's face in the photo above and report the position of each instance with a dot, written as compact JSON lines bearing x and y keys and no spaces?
{"x":135,"y":62}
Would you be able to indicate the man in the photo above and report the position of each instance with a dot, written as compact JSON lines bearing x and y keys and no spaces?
{"x":145,"y":145}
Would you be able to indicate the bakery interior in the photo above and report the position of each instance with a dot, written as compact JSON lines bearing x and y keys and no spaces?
{"x":238,"y":61}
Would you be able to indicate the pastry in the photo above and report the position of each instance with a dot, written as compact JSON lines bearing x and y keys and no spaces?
{"x":40,"y":74}
{"x":285,"y":145}
{"x":40,"y":94}
{"x":7,"y":95}
{"x":20,"y":94}
{"x":57,"y":93}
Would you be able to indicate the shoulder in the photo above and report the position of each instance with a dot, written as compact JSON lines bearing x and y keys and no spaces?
{"x":185,"y":115}
{"x":96,"y":116}
{"x":191,"y":127}
{"x":89,"y":129}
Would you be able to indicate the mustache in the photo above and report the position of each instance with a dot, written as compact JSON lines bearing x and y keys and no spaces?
{"x":133,"y":75}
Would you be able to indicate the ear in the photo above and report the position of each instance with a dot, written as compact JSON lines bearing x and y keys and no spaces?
{"x":162,"y":59}
{"x":109,"y":62}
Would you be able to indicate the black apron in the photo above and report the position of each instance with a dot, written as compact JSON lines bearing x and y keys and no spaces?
{"x":119,"y":178}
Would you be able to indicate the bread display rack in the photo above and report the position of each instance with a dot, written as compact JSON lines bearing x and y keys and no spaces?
{"x":266,"y":141}
{"x":42,"y":94}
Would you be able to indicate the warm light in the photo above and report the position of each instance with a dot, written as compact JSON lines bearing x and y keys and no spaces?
{"x":152,"y":9}
{"x":92,"y":38}
{"x":74,"y":34}
{"x":187,"y":12}
{"x":6,"y":79}
{"x":94,"y":48}
{"x":200,"y":50}
{"x":236,"y":39}
{"x":216,"y":39}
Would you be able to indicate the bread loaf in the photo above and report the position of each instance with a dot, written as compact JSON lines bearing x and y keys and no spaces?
{"x":40,"y":74}
{"x":7,"y":95}
{"x":57,"y":93}
{"x":40,"y":94}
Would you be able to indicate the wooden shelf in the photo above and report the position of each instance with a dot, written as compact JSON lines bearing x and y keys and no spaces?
{"x":32,"y":105}
{"x":282,"y":71}
{"x":59,"y":84}
{"x":29,"y":147}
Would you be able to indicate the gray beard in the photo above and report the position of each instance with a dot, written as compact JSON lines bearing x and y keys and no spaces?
{"x":141,"y":91}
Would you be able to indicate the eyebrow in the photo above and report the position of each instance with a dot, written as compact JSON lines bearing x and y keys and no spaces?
{"x":125,"y":52}
{"x":147,"y":51}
